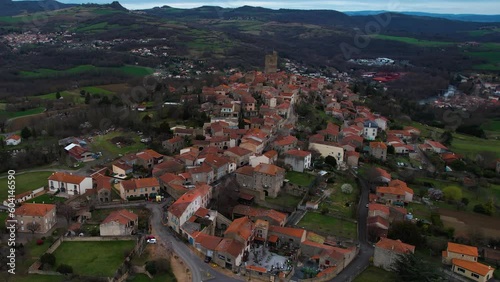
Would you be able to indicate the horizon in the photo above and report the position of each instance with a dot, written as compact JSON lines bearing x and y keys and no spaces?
{"x":479,"y":7}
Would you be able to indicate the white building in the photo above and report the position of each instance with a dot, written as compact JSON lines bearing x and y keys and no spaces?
{"x":13,"y":140}
{"x":370,"y":129}
{"x":69,"y":183}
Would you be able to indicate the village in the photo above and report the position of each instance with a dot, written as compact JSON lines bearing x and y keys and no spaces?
{"x":246,"y":196}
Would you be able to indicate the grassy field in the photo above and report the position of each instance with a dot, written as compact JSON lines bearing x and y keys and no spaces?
{"x":103,"y":143}
{"x":93,"y":258}
{"x":38,"y":278}
{"x":22,"y":113}
{"x":3,"y":217}
{"x":414,"y":41}
{"x":46,"y":199}
{"x":156,"y":278}
{"x":45,"y":73}
{"x":298,"y":178}
{"x":492,"y":57}
{"x":375,"y":274}
{"x":327,"y":225}
{"x":492,"y":125}
{"x":285,"y":200}
{"x":25,"y":182}
{"x":340,"y":203}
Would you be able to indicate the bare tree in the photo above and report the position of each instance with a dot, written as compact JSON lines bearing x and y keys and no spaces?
{"x":66,"y":211}
{"x":33,"y":227}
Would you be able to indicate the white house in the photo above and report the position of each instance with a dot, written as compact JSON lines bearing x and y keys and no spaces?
{"x":381,"y":122}
{"x":69,"y":183}
{"x":182,"y":209}
{"x":370,"y":129}
{"x":13,"y":140}
{"x":329,"y":149}
{"x":299,"y":160}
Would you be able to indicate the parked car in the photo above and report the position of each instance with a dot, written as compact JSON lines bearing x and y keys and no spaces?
{"x":151,"y":241}
{"x":207,"y":259}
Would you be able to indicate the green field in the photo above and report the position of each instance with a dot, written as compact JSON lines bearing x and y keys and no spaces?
{"x":327,"y":225}
{"x":93,"y":258}
{"x":298,"y":178}
{"x":103,"y":143}
{"x":492,"y":125}
{"x":492,"y":57}
{"x":340,"y":203}
{"x":25,"y":182}
{"x":96,"y":90}
{"x":414,"y":41}
{"x":46,"y":199}
{"x":47,"y":73}
{"x":375,"y":274}
{"x":285,"y":200}
{"x":29,"y":112}
{"x":156,"y":278}
{"x":3,"y":217}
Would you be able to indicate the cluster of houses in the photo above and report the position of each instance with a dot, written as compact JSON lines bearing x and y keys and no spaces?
{"x":13,"y":140}
{"x":462,"y":259}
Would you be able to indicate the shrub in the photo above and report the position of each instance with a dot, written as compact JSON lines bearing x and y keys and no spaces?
{"x":64,"y":269}
{"x":479,"y":208}
{"x":49,"y":259}
{"x":324,"y":210}
{"x":39,"y":242}
{"x":151,"y":267}
{"x":346,"y":188}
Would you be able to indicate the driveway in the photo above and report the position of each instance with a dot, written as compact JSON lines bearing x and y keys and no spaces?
{"x":200,"y":270}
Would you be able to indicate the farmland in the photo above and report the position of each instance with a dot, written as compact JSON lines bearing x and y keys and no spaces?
{"x":324,"y":224}
{"x":25,"y":182}
{"x":47,"y":73}
{"x":414,"y":41}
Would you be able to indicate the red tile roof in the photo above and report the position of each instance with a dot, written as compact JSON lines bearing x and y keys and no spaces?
{"x":378,"y":145}
{"x":242,"y":227}
{"x":292,"y":232}
{"x":390,"y":190}
{"x":287,"y":140}
{"x":14,"y":137}
{"x":121,"y":216}
{"x":239,"y":151}
{"x":462,"y":249}
{"x":269,"y":169}
{"x":31,"y":209}
{"x":435,"y":144}
{"x":246,"y":170}
{"x":140,"y":183}
{"x":298,"y":153}
{"x":395,"y":245}
{"x":256,"y":212}
{"x":473,"y":266}
{"x":378,"y":207}
{"x":231,"y":247}
{"x":207,"y":241}
{"x":179,"y":206}
{"x":66,"y":178}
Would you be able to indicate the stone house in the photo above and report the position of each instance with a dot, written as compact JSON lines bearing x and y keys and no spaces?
{"x":299,"y":160}
{"x":119,"y":223}
{"x":378,"y":150}
{"x":39,"y":217}
{"x":388,"y":250}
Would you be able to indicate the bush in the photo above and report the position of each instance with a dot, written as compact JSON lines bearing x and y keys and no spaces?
{"x":39,"y":242}
{"x":324,"y":211}
{"x":151,"y":267}
{"x":64,"y":269}
{"x":346,"y":188}
{"x":94,"y":232}
{"x":49,"y":259}
{"x":479,"y":208}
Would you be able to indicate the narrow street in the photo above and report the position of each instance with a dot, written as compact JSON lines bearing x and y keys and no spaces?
{"x":200,"y":270}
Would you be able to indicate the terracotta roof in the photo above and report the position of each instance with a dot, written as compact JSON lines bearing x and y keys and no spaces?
{"x":269,"y":169}
{"x":122,"y":165}
{"x":246,"y":170}
{"x":175,"y":139}
{"x":435,"y":144}
{"x":473,"y":266}
{"x":287,"y":140}
{"x":256,"y":212}
{"x":179,"y":206}
{"x":256,"y":268}
{"x":66,"y":178}
{"x":231,"y":247}
{"x":14,"y":137}
{"x":140,"y":183}
{"x":273,"y":238}
{"x":31,"y":209}
{"x":395,"y":245}
{"x":379,"y":207}
{"x":207,"y":241}
{"x":120,"y":216}
{"x":239,"y":151}
{"x":242,"y":227}
{"x":271,"y":154}
{"x":326,"y":271}
{"x":462,"y":249}
{"x":378,"y":145}
{"x":298,"y":153}
{"x":289,"y":231}
{"x":19,"y":196}
{"x":383,"y":173}
{"x":390,"y":190}
{"x":378,"y":221}
{"x":170,"y":177}
{"x":203,"y":168}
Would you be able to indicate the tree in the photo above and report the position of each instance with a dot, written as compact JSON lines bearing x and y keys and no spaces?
{"x":406,"y":232}
{"x":25,"y":133}
{"x":33,"y":227}
{"x":410,"y":267}
{"x":447,"y":138}
{"x":458,"y":165}
{"x":346,"y":188}
{"x":331,"y":161}
{"x":65,"y":269}
{"x":465,"y":201}
{"x":66,"y":211}
{"x":391,"y":150}
{"x":87,"y":98}
{"x":48,"y":258}
{"x":453,"y":193}
{"x":58,"y":95}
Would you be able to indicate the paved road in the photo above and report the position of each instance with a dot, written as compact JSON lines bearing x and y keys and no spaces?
{"x":366,"y":249}
{"x":200,"y":270}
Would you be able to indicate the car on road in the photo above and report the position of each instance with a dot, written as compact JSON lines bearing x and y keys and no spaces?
{"x":207,"y":259}
{"x":151,"y":241}
{"x":367,"y":205}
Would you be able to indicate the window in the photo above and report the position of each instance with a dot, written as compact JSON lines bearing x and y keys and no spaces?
{"x":474,"y":275}
{"x":460,"y":270}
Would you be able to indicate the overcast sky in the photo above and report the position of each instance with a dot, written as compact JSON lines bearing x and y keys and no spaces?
{"x":432,"y":6}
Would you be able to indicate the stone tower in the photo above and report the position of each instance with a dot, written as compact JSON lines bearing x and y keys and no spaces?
{"x":271,"y":65}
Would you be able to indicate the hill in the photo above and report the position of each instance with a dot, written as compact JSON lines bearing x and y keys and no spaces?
{"x":11,"y":8}
{"x":456,"y":17}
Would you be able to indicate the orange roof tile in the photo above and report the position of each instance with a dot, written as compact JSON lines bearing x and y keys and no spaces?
{"x":207,"y":241}
{"x":120,"y":216}
{"x":256,"y":268}
{"x":242,"y":227}
{"x":239,"y":151}
{"x":271,"y":154}
{"x":473,"y":266}
{"x":231,"y":247}
{"x":31,"y":209}
{"x":269,"y":169}
{"x":395,"y":245}
{"x":462,"y":249}
{"x":298,"y":153}
{"x":390,"y":190}
{"x":66,"y":178}
{"x":179,"y":206}
{"x":289,"y":231}
{"x":378,"y":207}
{"x":378,"y":145}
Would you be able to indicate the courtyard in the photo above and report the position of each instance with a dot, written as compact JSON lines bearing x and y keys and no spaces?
{"x":261,"y":256}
